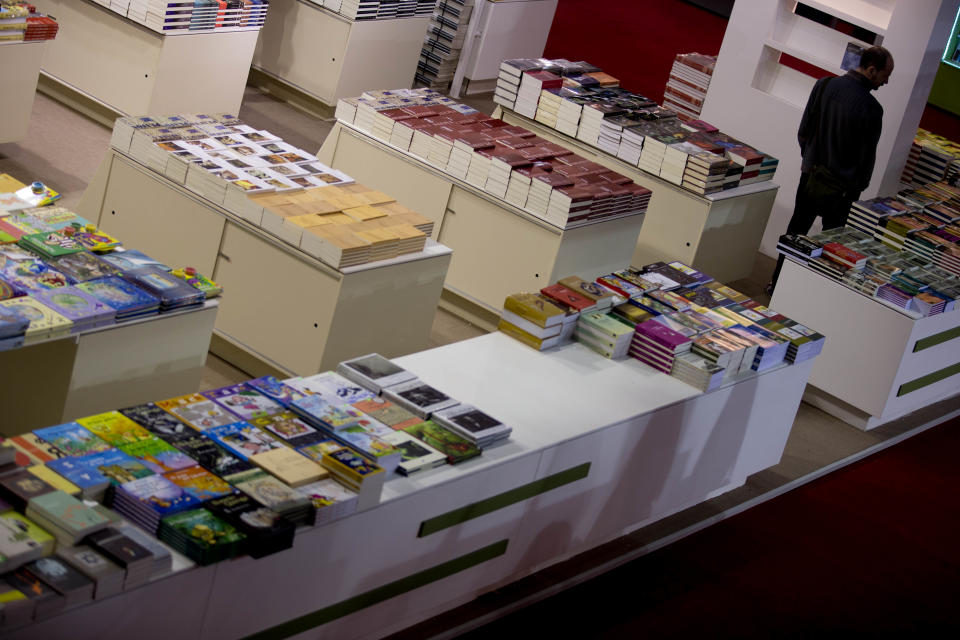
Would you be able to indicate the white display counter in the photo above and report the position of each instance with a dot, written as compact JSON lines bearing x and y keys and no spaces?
{"x":20,"y":62}
{"x":102,"y":62}
{"x":717,"y":233}
{"x":285,"y":308}
{"x":327,"y":56}
{"x":599,"y":448}
{"x":119,"y":365}
{"x":499,"y":249}
{"x":878,"y":364}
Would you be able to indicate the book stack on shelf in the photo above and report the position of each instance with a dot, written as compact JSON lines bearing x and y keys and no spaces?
{"x":581,"y":101}
{"x":443,"y":43}
{"x":175,"y":17}
{"x":284,"y":190}
{"x":667,"y":315}
{"x":688,"y":83}
{"x":932,"y":158}
{"x":377,"y":9}
{"x":507,"y":162}
{"x":912,"y":276}
{"x":59,"y":274}
{"x":21,"y":22}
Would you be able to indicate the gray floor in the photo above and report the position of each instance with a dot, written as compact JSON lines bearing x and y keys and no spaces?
{"x":64,"y":149}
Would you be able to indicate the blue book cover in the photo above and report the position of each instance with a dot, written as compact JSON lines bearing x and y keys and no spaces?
{"x":160,"y":495}
{"x":112,"y":466}
{"x":242,"y":439}
{"x":271,"y":387}
{"x":73,"y":439}
{"x":82,"y":308}
{"x":172,"y":291}
{"x":127,"y":299}
{"x":131,"y":259}
{"x":12,"y":323}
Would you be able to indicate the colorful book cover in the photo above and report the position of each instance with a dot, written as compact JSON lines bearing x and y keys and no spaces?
{"x":243,"y":401}
{"x":274,"y":389}
{"x":348,"y":464}
{"x":39,"y":451}
{"x":126,"y":298}
{"x":455,"y":447}
{"x":79,"y":307}
{"x":172,"y":291}
{"x":30,"y":277}
{"x":209,"y":288}
{"x":211,"y":456}
{"x":197,"y":411}
{"x":267,"y":490}
{"x":26,"y":530}
{"x":51,"y":244}
{"x":333,"y":388}
{"x":115,"y":428}
{"x":84,"y":266}
{"x":317,"y":450}
{"x":199,"y":483}
{"x":91,"y":238}
{"x":160,"y":495}
{"x":132,"y":259}
{"x":288,"y":427}
{"x":44,"y":321}
{"x":44,"y":219}
{"x":242,"y":439}
{"x":73,"y":439}
{"x":387,"y":412}
{"x":158,"y":422}
{"x":158,"y":455}
{"x":335,"y":417}
{"x":204,"y":529}
{"x":370,"y":444}
{"x":113,"y":467}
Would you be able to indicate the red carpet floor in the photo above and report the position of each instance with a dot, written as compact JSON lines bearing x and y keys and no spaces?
{"x":869,"y":550}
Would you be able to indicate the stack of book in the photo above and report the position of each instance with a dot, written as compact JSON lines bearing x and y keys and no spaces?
{"x":106,"y":576}
{"x":356,"y":473}
{"x":605,"y":333}
{"x":13,"y":327}
{"x":331,"y":500}
{"x":378,"y":9}
{"x":20,"y":22}
{"x":201,"y":536}
{"x":374,"y":372}
{"x":535,"y":320}
{"x":73,"y":586}
{"x":272,"y":493}
{"x":145,"y":501}
{"x":443,"y":43}
{"x":687,"y":85}
{"x":66,"y":518}
{"x":657,"y":345}
{"x":173,"y":16}
{"x":265,"y":531}
{"x":22,"y":541}
{"x":136,"y":561}
{"x":473,"y":424}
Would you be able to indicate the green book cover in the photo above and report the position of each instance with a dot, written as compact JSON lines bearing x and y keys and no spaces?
{"x":65,"y":510}
{"x":456,"y":448}
{"x":204,"y":529}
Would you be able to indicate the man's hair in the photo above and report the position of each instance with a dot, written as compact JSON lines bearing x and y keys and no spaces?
{"x":876,"y":57}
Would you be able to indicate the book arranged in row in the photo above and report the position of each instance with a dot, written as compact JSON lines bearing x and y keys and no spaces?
{"x":904,"y":275}
{"x":21,"y":22}
{"x":443,"y":43}
{"x":687,"y":85}
{"x":59,"y":274}
{"x":667,"y":315}
{"x":175,"y":16}
{"x":378,"y":9}
{"x":508,"y":162}
{"x":284,"y":190}
{"x":581,"y":101}
{"x":932,"y":158}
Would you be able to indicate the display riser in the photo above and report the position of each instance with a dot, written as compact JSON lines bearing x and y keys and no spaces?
{"x":869,"y":353}
{"x":718,"y":234}
{"x":21,"y":64}
{"x":653,"y":445}
{"x":295,"y":313}
{"x":329,"y":57}
{"x":498,"y":249}
{"x":116,"y":366}
{"x":134,"y":70}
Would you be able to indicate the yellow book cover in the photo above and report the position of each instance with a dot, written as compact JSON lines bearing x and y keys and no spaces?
{"x":516,"y":332}
{"x":54,"y":479}
{"x":535,"y":308}
{"x":365,"y":212}
{"x":289,"y":467}
{"x":115,"y":428}
{"x":44,"y":321}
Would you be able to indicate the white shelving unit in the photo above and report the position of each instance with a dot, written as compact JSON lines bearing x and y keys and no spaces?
{"x":126,"y":68}
{"x":878,"y":364}
{"x":21,"y":68}
{"x":328,"y":56}
{"x":599,"y":448}
{"x":755,"y":97}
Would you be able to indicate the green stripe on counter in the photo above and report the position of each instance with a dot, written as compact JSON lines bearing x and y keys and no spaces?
{"x":935,"y":339}
{"x":375,"y":596}
{"x":505,"y":499}
{"x":930,"y":378}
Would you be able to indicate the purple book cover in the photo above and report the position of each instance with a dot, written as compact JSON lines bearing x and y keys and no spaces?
{"x":78,"y":306}
{"x":661,"y":334}
{"x":243,"y":401}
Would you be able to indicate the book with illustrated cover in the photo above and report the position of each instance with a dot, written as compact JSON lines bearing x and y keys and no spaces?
{"x":389,"y":413}
{"x":46,"y":601}
{"x":173,"y":292}
{"x":335,"y":417}
{"x":210,"y":455}
{"x":37,"y":450}
{"x":73,"y":439}
{"x":132,"y":259}
{"x":416,"y":455}
{"x":317,"y":450}
{"x":201,"y":536}
{"x":158,"y":422}
{"x":19,"y":487}
{"x":287,"y":427}
{"x":535,"y":308}
{"x":455,"y":447}
{"x":158,"y":455}
{"x":93,"y":472}
{"x":158,"y":494}
{"x":242,"y":439}
{"x":75,"y":587}
{"x":115,"y":428}
{"x":84,"y":310}
{"x":52,"y":478}
{"x":199,"y":483}
{"x":20,"y":529}
{"x":374,"y":371}
{"x":83,"y":266}
{"x":33,"y":276}
{"x":419,"y":397}
{"x":472,"y":423}
{"x":209,"y":288}
{"x":270,"y":492}
{"x":66,"y":517}
{"x":274,"y":389}
{"x":266,"y":530}
{"x":128,"y":300}
{"x":44,"y":321}
{"x":243,"y":401}
{"x":198,"y":412}
{"x":52,"y":244}
{"x":332,"y":388}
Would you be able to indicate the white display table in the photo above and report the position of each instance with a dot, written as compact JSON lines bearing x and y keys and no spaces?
{"x":599,"y":448}
{"x":285,"y":308}
{"x":877,"y":364}
{"x":126,"y":68}
{"x":328,"y":56}
{"x":20,"y":62}
{"x":119,"y":365}
{"x":499,"y":249}
{"x":718,"y":233}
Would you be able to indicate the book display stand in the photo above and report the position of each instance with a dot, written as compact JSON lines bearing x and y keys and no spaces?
{"x":106,"y":65}
{"x":598,"y":449}
{"x":285,"y":308}
{"x":717,"y":233}
{"x":878,"y":363}
{"x":21,"y":64}
{"x":324,"y":56}
{"x":58,"y":380}
{"x":498,"y":248}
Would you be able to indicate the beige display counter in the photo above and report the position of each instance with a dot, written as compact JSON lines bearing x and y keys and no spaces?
{"x":718,"y":233}
{"x":285,"y":308}
{"x":499,"y":249}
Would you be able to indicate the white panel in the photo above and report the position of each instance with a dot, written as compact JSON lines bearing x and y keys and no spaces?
{"x":21,"y":64}
{"x":511,"y":29}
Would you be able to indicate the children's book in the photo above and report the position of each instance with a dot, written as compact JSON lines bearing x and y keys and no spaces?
{"x":83,"y":266}
{"x":173,"y":292}
{"x":243,"y":401}
{"x":132,"y":259}
{"x":84,"y":310}
{"x":274,"y":389}
{"x":158,"y":422}
{"x":158,"y":455}
{"x":160,"y":495}
{"x":31,"y":277}
{"x":129,"y":300}
{"x":51,"y":244}
{"x":73,"y":439}
{"x":92,"y":470}
{"x":455,"y":447}
{"x":198,"y":412}
{"x":44,"y":321}
{"x":115,"y":428}
{"x":242,"y":438}
{"x":199,"y":483}
{"x":333,"y":388}
{"x":287,"y":427}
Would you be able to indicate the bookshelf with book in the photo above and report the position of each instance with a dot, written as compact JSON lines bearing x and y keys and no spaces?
{"x":247,"y":207}
{"x":437,"y":538}
{"x":321,"y":51}
{"x":115,"y":59}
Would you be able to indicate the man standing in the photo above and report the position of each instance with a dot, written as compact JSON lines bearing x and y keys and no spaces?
{"x":838,"y":138}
